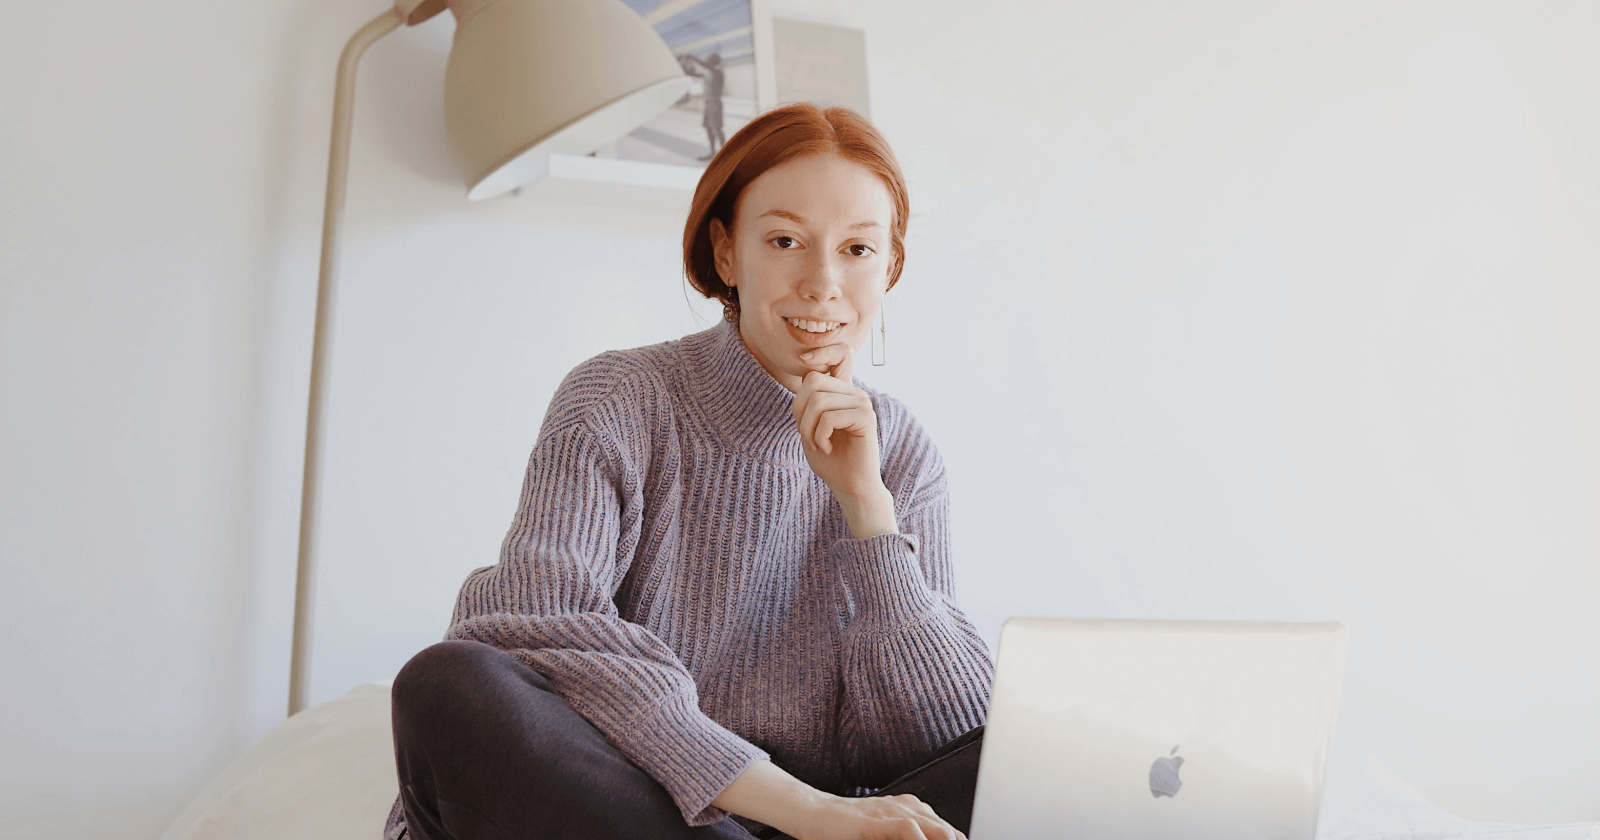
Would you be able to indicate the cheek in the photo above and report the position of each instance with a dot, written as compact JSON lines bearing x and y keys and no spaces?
{"x":866,"y":322}
{"x":867,"y":295}
{"x":771,"y":280}
{"x":754,"y":273}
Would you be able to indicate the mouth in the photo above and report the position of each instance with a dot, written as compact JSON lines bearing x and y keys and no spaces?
{"x":813,"y":333}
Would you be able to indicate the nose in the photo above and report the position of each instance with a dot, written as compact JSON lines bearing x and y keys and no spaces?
{"x":821,"y":280}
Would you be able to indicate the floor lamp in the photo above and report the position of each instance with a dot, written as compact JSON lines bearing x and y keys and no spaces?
{"x":526,"y":78}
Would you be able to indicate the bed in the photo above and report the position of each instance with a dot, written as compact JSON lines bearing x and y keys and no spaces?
{"x":328,"y":774}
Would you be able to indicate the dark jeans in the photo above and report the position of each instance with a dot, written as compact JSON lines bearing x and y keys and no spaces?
{"x":485,"y":748}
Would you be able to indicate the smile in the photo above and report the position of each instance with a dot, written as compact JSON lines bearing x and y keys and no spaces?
{"x":813,"y":334}
{"x":813,"y":326}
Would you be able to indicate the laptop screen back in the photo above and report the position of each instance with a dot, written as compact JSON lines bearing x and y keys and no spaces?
{"x":1183,"y":730}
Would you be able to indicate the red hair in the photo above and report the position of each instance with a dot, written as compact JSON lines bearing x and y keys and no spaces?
{"x":774,"y":138}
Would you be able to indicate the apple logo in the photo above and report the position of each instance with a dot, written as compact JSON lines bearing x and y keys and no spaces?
{"x":1164,"y":779}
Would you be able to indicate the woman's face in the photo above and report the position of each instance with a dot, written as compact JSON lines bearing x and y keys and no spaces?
{"x":810,"y":243}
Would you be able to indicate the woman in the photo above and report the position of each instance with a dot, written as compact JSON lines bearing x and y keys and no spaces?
{"x":727,"y":589}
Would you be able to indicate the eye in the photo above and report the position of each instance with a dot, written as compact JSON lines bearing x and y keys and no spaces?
{"x":785,"y":243}
{"x":860,"y":250}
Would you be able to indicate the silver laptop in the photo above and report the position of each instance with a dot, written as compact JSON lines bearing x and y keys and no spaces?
{"x":1178,"y":730}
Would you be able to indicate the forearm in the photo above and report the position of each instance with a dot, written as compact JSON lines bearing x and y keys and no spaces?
{"x":767,"y":793}
{"x":916,"y":671}
{"x":926,"y":683}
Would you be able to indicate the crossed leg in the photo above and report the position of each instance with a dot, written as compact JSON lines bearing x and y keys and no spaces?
{"x":485,"y":749}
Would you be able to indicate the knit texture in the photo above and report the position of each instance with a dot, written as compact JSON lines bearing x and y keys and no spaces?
{"x":691,"y":587}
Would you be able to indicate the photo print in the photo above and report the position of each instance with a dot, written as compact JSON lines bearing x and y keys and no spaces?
{"x":713,"y":42}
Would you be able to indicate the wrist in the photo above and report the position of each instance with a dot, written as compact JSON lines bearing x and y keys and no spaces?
{"x":869,"y":512}
{"x":768,"y":794}
{"x":810,"y":816}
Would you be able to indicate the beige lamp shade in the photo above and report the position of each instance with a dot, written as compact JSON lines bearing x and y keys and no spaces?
{"x":531,"y":77}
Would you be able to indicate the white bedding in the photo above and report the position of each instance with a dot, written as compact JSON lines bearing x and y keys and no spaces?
{"x":328,"y":774}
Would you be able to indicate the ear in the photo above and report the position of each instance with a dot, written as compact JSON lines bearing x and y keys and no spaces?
{"x":722,"y":252}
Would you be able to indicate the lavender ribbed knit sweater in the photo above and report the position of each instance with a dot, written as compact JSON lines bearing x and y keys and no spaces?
{"x":691,"y":587}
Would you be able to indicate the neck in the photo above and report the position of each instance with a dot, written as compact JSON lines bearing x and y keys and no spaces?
{"x":742,"y":399}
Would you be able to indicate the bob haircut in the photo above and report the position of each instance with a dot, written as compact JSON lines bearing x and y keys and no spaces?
{"x":772,"y":139}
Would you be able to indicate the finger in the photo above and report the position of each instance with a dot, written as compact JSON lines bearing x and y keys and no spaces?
{"x":812,"y":383}
{"x":827,"y":413}
{"x":932,"y":824}
{"x":846,"y":366}
{"x":825,"y":430}
{"x":908,"y":829}
{"x":857,"y":422}
{"x":826,"y":357}
{"x":821,"y":381}
{"x":816,"y":402}
{"x":937,"y":829}
{"x":830,"y":419}
{"x":922,"y":809}
{"x":802,"y":397}
{"x":822,"y":401}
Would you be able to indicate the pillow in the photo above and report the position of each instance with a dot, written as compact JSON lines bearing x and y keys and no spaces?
{"x":325,"y":774}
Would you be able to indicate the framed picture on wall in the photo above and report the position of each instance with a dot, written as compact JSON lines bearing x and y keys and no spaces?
{"x":820,"y":63}
{"x":724,"y":46}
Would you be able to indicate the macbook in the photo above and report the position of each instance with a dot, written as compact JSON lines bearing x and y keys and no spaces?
{"x":1139,"y":729}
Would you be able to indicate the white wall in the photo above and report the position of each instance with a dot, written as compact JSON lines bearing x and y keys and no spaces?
{"x":1228,"y":309}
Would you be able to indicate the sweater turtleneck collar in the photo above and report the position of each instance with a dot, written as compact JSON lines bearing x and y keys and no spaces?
{"x":749,"y":409}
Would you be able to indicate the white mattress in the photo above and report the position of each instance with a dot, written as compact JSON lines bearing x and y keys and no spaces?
{"x":328,"y":774}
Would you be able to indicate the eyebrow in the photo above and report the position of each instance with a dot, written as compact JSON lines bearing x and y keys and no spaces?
{"x":800,"y":220}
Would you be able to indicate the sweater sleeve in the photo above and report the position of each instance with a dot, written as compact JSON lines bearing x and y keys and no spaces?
{"x":916,"y":672}
{"x":549,"y":603}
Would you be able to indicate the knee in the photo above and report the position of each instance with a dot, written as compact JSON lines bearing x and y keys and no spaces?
{"x":429,"y":680}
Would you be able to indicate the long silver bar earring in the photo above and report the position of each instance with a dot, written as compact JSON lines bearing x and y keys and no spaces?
{"x":882,"y":340}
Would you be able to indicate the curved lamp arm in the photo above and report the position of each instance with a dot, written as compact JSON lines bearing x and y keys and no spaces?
{"x":531,"y":77}
{"x":327,"y":282}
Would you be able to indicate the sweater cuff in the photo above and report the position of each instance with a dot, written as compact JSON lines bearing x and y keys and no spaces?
{"x":692,"y":756}
{"x":885,"y":579}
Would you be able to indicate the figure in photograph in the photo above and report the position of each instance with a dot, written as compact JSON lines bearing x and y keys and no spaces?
{"x":710,"y":69}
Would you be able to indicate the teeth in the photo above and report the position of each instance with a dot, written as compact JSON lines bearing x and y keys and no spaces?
{"x":813,"y":326}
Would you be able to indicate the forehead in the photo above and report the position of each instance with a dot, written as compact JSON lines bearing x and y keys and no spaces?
{"x":826,"y":190}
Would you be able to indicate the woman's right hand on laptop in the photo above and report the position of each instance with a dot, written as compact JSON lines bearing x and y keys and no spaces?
{"x":901,"y":817}
{"x":766,"y":792}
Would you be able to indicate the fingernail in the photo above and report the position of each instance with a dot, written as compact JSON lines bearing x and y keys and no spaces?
{"x":808,"y":354}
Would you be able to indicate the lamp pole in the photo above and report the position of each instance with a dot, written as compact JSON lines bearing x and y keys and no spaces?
{"x":513,"y":108}
{"x":327,"y":285}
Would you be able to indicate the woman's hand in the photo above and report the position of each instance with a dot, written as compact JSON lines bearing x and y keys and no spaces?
{"x":767,"y":793}
{"x":902,"y":817}
{"x":839,"y":433}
